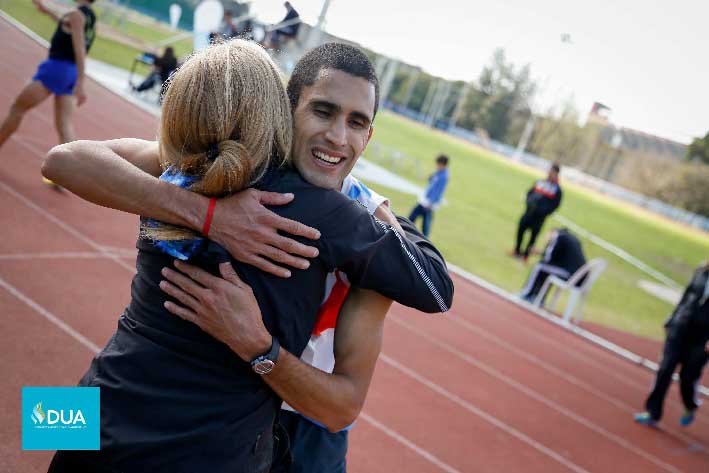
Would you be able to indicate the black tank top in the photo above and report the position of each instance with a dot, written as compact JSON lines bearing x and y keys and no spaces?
{"x":61,"y":46}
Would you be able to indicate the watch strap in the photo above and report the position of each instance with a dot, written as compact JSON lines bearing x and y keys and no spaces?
{"x":271,"y":355}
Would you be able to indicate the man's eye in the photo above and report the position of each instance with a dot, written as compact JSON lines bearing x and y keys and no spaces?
{"x":357,"y":124}
{"x":322,"y":113}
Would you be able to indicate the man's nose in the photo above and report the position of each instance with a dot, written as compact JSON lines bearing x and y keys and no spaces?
{"x":337,"y":133}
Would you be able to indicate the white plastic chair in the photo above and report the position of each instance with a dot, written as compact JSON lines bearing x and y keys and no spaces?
{"x":577,"y":295}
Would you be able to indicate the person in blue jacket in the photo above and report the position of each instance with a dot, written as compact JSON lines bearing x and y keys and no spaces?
{"x":431,"y":199}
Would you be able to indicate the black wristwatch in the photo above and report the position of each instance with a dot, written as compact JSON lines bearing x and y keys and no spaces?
{"x":264,"y":364}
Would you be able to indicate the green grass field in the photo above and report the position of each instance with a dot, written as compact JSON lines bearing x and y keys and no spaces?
{"x":485,"y":199}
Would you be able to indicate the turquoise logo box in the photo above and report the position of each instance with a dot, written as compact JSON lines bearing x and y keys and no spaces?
{"x":61,"y":418}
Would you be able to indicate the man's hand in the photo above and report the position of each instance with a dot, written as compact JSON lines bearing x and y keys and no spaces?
{"x":79,"y":93}
{"x":224,"y":308}
{"x":249,"y":231}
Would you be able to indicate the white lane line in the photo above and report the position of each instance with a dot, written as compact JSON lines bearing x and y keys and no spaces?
{"x":86,"y":342}
{"x":587,"y":335}
{"x":66,"y":227}
{"x":62,"y":255}
{"x":408,"y":443}
{"x":482,"y":414}
{"x":613,"y":438}
{"x":68,"y":329}
{"x":36,"y":152}
{"x":619,"y":252}
{"x":642,"y":389}
{"x":564,"y":375}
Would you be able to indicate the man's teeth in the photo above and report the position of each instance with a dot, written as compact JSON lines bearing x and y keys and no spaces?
{"x":327,"y":158}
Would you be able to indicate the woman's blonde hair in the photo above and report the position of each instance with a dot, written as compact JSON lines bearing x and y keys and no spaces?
{"x":225,"y":118}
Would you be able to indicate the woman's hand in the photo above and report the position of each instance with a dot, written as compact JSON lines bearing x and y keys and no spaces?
{"x":249,"y":231}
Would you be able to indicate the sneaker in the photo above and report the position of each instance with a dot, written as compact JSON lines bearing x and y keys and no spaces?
{"x":687,"y":418}
{"x":645,"y":418}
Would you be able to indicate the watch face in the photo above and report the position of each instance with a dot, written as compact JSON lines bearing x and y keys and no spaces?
{"x":264,"y":366}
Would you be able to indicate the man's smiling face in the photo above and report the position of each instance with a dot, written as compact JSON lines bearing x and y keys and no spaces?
{"x":332,"y":124}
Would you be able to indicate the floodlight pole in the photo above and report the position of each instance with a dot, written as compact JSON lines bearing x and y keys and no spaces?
{"x":529,"y":126}
{"x":459,"y":105}
{"x":439,"y":101}
{"x":316,"y":32}
{"x":410,"y":90}
{"x":387,"y":78}
{"x":323,"y":14}
{"x":428,"y":99}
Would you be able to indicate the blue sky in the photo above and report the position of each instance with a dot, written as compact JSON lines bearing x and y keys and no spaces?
{"x":647,"y":60}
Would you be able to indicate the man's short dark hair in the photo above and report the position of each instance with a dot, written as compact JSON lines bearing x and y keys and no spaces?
{"x":442,"y":159}
{"x":556,"y":168}
{"x":339,"y":56}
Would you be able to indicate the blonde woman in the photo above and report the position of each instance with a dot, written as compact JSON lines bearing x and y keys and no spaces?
{"x":172,"y":397}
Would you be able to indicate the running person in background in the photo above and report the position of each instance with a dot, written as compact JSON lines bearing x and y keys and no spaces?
{"x":431,"y":198}
{"x":542,"y":200}
{"x":687,"y":344}
{"x":562,"y":257}
{"x":61,"y":75}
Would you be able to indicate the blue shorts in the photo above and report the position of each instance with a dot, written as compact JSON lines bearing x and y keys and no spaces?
{"x":315,"y":450}
{"x":59,"y":77}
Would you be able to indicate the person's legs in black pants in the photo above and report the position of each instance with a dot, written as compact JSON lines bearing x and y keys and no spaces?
{"x":427,"y":219}
{"x":535,"y":225}
{"x":522,"y":227}
{"x":149,"y":82}
{"x":418,"y":211}
{"x":670,"y":359}
{"x":689,"y":375}
{"x":534,"y":283}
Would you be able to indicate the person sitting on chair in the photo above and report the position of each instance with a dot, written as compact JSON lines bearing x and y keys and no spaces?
{"x":287,"y":32}
{"x":162,"y":68}
{"x":562,"y":257}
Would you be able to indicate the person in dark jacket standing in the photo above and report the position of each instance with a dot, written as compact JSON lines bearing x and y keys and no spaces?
{"x":61,"y":75}
{"x":542,"y":200}
{"x":562,"y":257}
{"x":686,"y":344}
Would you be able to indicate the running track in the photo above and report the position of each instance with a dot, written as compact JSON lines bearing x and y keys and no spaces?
{"x":487,"y":388}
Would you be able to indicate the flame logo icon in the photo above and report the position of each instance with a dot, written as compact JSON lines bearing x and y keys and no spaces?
{"x":38,"y":415}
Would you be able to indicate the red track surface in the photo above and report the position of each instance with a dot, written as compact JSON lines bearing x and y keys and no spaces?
{"x":489,"y":387}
